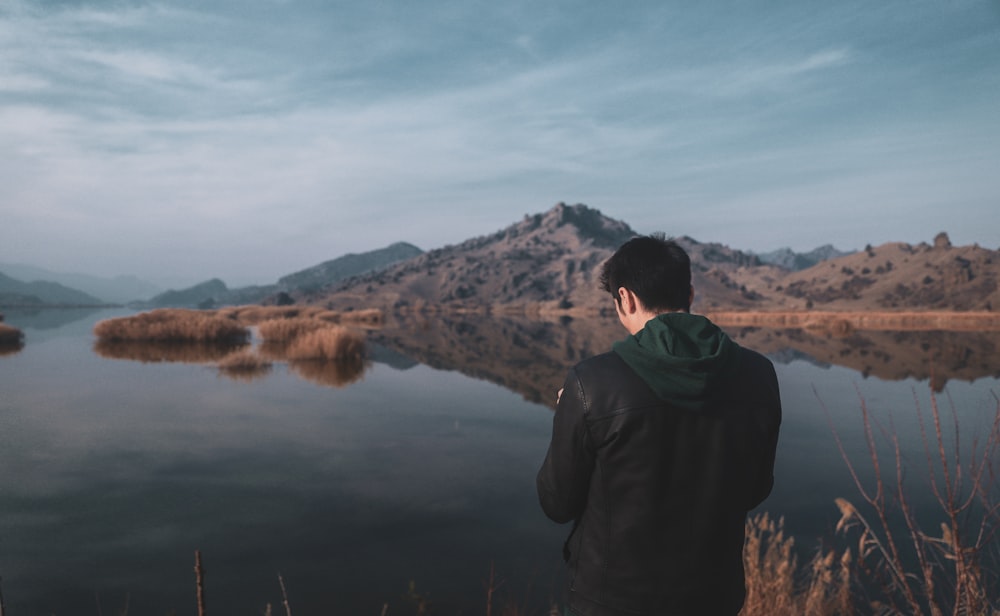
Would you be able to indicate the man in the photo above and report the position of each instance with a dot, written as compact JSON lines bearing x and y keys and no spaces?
{"x":659,"y":449}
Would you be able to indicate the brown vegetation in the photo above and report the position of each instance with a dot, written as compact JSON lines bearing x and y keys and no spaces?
{"x":254,"y":315}
{"x":329,"y":343}
{"x":895,"y":567}
{"x":844,"y":322}
{"x":172,"y":325}
{"x":244,"y":365}
{"x":11,"y":339}
{"x":287,"y":329}
{"x":312,"y":339}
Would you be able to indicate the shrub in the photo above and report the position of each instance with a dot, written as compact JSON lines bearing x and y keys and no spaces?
{"x":10,"y":335}
{"x":286,"y":330}
{"x":244,"y":365}
{"x":329,"y":343}
{"x":172,"y":325}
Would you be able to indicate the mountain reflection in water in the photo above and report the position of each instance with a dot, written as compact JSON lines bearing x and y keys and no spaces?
{"x":531,"y":356}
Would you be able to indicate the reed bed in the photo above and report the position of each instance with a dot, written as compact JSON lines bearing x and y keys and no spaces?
{"x":288,"y":329}
{"x":244,"y":365}
{"x":331,"y":343}
{"x":893,"y":565}
{"x":11,"y":339}
{"x":173,"y":325}
{"x":777,"y":586}
{"x":254,"y":315}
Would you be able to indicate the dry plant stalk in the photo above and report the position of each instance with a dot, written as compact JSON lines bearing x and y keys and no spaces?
{"x":284,"y":596}
{"x":770,"y":567}
{"x":199,"y":577}
{"x":945,"y":574}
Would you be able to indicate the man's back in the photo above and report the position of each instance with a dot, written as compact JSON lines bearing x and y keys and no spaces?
{"x":658,"y":472}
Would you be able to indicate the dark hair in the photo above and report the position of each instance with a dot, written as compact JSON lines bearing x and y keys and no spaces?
{"x":656,"y":269}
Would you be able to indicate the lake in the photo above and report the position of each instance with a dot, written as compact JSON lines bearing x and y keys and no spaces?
{"x":417,"y":471}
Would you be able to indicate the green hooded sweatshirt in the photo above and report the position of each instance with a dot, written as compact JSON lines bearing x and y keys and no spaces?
{"x":683,"y":357}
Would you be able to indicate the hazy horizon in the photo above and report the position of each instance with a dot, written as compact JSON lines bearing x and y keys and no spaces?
{"x":175,"y":141}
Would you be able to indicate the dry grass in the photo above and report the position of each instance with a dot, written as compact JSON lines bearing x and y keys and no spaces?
{"x":286,"y":330}
{"x":244,"y":365}
{"x":777,"y":586}
{"x":333,"y":342}
{"x":253,"y":315}
{"x":312,"y":338}
{"x":895,"y":566}
{"x":11,"y":339}
{"x":172,"y":325}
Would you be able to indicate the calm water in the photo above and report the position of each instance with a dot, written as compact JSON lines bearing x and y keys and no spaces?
{"x":114,"y":471}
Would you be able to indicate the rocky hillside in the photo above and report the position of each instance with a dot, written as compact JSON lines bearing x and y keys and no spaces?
{"x":548,"y":261}
{"x":899,"y":276}
{"x":551,"y":262}
{"x":335,"y":270}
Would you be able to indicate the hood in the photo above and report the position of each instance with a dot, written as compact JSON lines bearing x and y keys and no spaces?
{"x":682,"y":357}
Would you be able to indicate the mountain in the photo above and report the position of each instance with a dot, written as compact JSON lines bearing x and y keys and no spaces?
{"x":899,"y":276}
{"x":214,"y":292}
{"x":117,"y":290}
{"x":205,"y":294}
{"x":14,"y":292}
{"x":335,"y":270}
{"x":797,"y":261}
{"x":548,"y":261}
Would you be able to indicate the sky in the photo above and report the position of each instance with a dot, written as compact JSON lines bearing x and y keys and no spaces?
{"x":183,"y":140}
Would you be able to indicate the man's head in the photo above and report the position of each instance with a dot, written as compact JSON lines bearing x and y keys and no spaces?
{"x":655,"y":269}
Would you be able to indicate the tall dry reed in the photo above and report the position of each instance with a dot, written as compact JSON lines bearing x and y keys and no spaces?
{"x":11,"y":339}
{"x":173,"y":325}
{"x":244,"y":365}
{"x":286,"y":330}
{"x":333,"y":342}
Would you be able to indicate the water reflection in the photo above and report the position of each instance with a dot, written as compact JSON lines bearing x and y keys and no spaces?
{"x":531,"y":356}
{"x":239,"y":362}
{"x":340,"y":373}
{"x":114,"y":472}
{"x":147,"y":351}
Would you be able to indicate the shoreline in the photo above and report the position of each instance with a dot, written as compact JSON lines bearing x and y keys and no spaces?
{"x":846,"y":321}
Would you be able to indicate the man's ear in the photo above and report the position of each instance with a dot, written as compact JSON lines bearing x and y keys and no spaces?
{"x":628,"y":301}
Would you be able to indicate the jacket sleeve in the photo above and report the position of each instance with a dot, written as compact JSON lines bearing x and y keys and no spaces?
{"x":771,"y":422}
{"x":564,"y":479}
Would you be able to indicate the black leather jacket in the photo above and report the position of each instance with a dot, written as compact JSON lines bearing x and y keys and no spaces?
{"x":659,"y":495}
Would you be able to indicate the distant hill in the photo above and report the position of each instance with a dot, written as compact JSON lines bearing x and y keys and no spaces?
{"x":214,"y":292}
{"x":341,"y":268}
{"x":896,"y":276}
{"x":206,"y":294}
{"x":116,"y":290}
{"x":15,"y":292}
{"x":797,"y":261}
